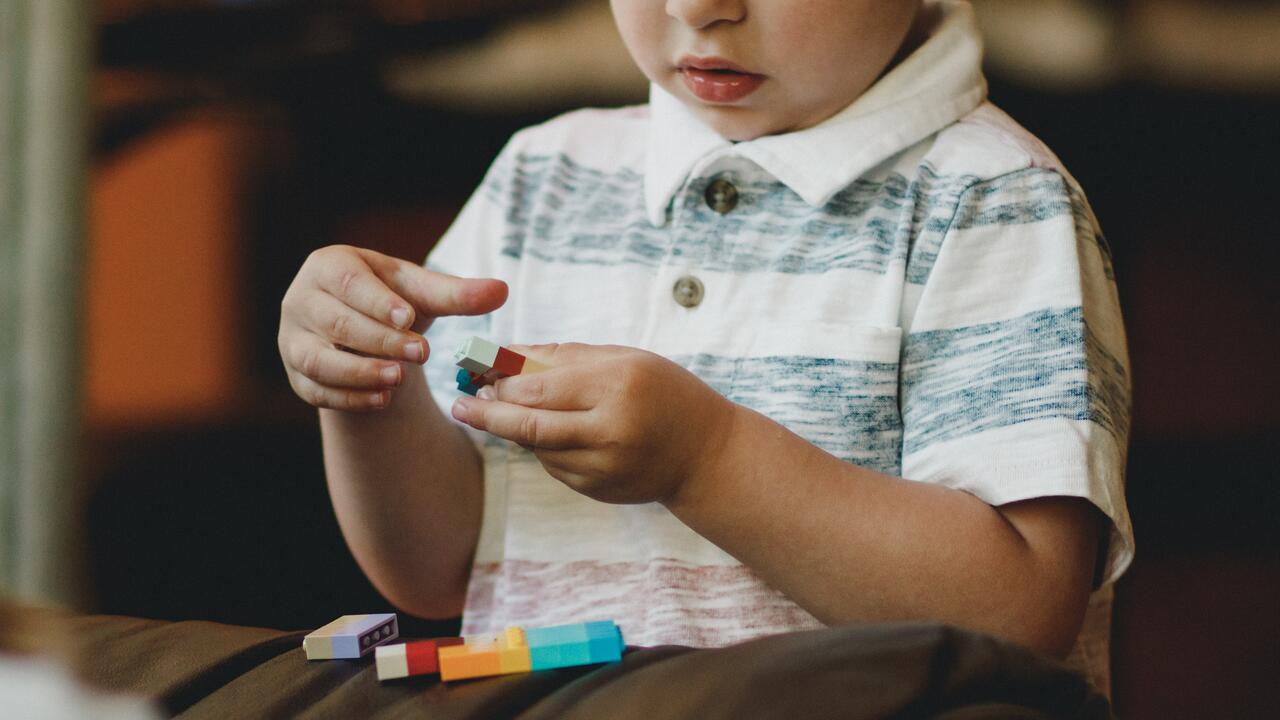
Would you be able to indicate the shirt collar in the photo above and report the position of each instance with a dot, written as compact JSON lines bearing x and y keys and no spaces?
{"x":933,"y":87}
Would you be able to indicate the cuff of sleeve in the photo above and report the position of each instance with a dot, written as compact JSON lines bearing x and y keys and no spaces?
{"x":1041,"y":458}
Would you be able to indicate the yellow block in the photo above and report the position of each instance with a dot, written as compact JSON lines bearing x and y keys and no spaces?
{"x":532,"y":366}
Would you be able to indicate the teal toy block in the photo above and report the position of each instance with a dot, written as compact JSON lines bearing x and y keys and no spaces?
{"x":467,"y":381}
{"x":604,"y":643}
{"x":576,"y":644}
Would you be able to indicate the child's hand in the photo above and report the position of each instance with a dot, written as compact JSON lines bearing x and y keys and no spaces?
{"x":352,"y":316}
{"x":617,"y":424}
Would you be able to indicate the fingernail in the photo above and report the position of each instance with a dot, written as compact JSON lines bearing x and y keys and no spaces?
{"x":400,"y":316}
{"x":378,"y":399}
{"x":460,"y":408}
{"x":414,"y":351}
{"x":391,"y":375}
{"x":486,"y":393}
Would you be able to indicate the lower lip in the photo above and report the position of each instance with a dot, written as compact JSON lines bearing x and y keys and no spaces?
{"x":720,"y":87}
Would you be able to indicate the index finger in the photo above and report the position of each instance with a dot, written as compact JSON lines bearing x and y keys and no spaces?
{"x":354,"y":282}
{"x":435,"y":293}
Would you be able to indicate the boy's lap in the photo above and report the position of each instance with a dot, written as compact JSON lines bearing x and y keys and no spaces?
{"x":202,"y":669}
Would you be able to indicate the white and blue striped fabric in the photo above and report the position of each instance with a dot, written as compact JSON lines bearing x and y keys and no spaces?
{"x":915,"y":286}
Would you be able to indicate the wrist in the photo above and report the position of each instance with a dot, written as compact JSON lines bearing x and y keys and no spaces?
{"x":714,"y":459}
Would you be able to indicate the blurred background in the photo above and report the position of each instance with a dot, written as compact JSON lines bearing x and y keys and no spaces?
{"x":169,"y":164}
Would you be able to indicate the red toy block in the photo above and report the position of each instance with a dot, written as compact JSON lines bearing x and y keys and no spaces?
{"x":423,"y":658}
{"x":508,"y":362}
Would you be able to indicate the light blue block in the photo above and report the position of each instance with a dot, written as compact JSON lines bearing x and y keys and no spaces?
{"x":346,"y":646}
{"x":575,"y":644}
{"x":560,"y":655}
{"x":605,"y":649}
{"x":557,"y":634}
{"x":350,"y":636}
{"x":600,"y":629}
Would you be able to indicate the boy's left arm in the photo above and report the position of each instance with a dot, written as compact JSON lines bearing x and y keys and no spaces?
{"x":846,"y":543}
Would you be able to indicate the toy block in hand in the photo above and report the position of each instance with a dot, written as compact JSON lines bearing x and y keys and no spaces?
{"x":412,"y":658}
{"x":484,"y":362}
{"x":477,"y":355}
{"x":576,"y":644}
{"x":502,"y":653}
{"x":351,"y":636}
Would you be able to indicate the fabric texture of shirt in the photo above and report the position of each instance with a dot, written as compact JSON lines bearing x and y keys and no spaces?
{"x":915,"y":285}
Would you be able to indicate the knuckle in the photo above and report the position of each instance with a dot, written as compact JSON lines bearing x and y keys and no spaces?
{"x":529,"y":390}
{"x":310,"y":363}
{"x":627,"y":379}
{"x":347,"y":282}
{"x":340,"y":328}
{"x":360,"y":374}
{"x":315,"y":396}
{"x":322,"y":256}
{"x":393,"y":344}
{"x":530,"y":429}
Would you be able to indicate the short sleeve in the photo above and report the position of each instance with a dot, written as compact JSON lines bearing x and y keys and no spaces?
{"x":1014,"y":373}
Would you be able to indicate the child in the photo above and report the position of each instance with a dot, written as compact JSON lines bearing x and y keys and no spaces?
{"x":845,"y":347}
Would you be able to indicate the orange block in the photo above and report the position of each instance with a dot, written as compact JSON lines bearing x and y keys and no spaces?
{"x":469,"y":661}
{"x":486,"y":655}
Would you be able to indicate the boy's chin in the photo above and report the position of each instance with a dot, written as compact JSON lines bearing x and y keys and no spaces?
{"x":737,"y":124}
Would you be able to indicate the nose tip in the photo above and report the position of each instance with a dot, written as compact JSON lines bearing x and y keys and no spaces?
{"x":699,"y":14}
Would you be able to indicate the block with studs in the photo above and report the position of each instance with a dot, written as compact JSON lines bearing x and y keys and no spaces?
{"x":351,"y":636}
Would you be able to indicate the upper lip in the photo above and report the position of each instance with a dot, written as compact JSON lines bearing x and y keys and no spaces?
{"x":710,"y":63}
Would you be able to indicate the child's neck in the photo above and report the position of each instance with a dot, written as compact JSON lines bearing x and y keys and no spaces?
{"x":926,"y":19}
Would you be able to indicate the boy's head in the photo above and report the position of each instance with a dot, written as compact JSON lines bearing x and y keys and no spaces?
{"x":761,"y":67}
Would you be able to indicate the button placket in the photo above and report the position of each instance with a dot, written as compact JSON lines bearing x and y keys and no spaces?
{"x":689,"y":215}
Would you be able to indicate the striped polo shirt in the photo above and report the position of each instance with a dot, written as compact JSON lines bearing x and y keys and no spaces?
{"x":915,"y":285}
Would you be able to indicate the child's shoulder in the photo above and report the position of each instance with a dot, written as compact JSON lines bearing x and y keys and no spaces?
{"x":987,"y":143}
{"x":593,"y":136}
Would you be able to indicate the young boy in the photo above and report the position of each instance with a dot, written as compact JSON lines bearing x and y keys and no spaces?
{"x":845,"y":347}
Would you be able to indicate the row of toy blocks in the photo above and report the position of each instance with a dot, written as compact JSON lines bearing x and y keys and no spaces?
{"x":513,"y":651}
{"x":482,"y":362}
{"x":351,"y":636}
{"x":412,"y":658}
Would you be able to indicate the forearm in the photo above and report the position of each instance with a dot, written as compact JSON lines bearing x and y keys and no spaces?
{"x":406,"y":486}
{"x":849,"y":544}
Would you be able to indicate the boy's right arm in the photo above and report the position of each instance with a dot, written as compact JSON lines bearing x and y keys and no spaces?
{"x":405,"y":480}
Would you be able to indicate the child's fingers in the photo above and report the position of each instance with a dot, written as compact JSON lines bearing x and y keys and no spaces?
{"x":332,"y":398}
{"x":338,"y":324}
{"x":531,"y":427}
{"x":329,"y":366}
{"x":436,"y":294}
{"x":353,"y":281}
{"x":555,"y":389}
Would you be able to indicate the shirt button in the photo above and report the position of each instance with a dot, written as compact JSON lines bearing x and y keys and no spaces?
{"x":721,"y":196}
{"x":688,"y":291}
